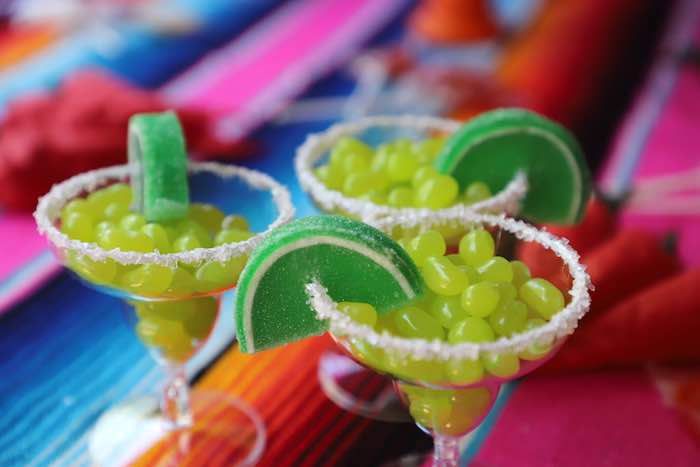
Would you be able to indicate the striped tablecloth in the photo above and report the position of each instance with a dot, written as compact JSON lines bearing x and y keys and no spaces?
{"x":66,"y":355}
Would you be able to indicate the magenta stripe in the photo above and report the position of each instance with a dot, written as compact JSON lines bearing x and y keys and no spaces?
{"x":608,"y":418}
{"x":255,"y":76}
{"x":329,"y":53}
{"x":182,"y":89}
{"x":21,"y":242}
{"x":237,"y":84}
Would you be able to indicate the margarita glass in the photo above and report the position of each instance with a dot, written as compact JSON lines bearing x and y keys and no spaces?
{"x":337,"y":374}
{"x":173,"y":301}
{"x":377,"y":130}
{"x":434,"y":378}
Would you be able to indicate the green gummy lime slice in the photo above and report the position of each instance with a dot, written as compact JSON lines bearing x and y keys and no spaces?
{"x":496,"y":145}
{"x":158,"y":160}
{"x":354,"y":261}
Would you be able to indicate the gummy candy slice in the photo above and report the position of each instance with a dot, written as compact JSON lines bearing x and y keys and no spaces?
{"x":158,"y":162}
{"x":355,"y":262}
{"x":496,"y":145}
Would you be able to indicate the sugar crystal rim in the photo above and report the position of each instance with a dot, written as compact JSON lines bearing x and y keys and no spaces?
{"x":560,"y":325}
{"x":50,"y":205}
{"x":316,"y":145}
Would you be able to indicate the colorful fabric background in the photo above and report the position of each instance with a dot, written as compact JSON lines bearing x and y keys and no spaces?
{"x":66,"y":353}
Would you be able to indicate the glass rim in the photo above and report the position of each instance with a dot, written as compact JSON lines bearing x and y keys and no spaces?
{"x":559,"y":326}
{"x":317,"y":144}
{"x":49,"y":207}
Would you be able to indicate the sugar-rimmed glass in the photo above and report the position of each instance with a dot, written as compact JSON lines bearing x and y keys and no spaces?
{"x":336,"y":373}
{"x":378,"y":129}
{"x":441,"y":405}
{"x":173,"y":320}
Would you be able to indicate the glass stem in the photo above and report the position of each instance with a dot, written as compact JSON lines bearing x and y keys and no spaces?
{"x":446,"y":453}
{"x":176,"y":399}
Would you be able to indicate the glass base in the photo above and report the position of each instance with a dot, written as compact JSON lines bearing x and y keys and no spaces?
{"x":411,"y":460}
{"x":359,"y":390}
{"x":425,"y":460}
{"x":225,"y":432}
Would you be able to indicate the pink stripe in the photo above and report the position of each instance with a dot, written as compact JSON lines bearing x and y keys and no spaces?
{"x":674,"y":144}
{"x":246,"y":76}
{"x":181,"y":89}
{"x":615,"y":419}
{"x":331,"y":52}
{"x":634,"y":131}
{"x":255,"y":76}
{"x":21,"y":242}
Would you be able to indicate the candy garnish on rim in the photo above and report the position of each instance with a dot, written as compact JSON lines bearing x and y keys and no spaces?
{"x":494,"y":146}
{"x":158,"y":161}
{"x":354,"y":261}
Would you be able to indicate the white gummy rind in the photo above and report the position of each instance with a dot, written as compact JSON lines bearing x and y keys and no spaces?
{"x":50,"y":205}
{"x":317,"y":145}
{"x":561,"y":324}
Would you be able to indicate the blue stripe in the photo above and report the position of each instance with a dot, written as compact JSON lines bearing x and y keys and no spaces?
{"x":144,"y":58}
{"x":26,"y":272}
{"x":658,"y":90}
{"x":662,"y":87}
{"x":487,"y":425}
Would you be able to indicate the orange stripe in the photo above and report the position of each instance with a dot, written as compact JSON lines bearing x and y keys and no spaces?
{"x":215,"y":412}
{"x":25,"y":42}
{"x":283,"y":386}
{"x":158,"y":452}
{"x":272,"y":381}
{"x":222,"y":455}
{"x":292,"y":390}
{"x":289,"y":423}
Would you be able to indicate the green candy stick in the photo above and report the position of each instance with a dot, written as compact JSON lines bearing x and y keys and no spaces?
{"x":158,"y":159}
